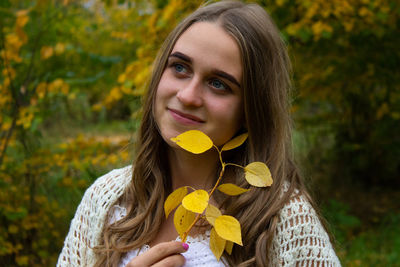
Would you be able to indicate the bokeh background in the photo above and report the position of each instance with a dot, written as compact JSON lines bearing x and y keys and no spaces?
{"x":72,"y":77}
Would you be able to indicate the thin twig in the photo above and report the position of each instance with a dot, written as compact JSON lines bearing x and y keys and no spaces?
{"x":198,"y":217}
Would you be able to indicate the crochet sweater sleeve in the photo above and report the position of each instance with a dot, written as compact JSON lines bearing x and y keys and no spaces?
{"x":300,"y":238}
{"x":87,"y":224}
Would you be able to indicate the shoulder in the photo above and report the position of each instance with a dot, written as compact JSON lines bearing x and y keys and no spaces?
{"x":300,"y":236}
{"x":111,"y":184}
{"x":87,"y":224}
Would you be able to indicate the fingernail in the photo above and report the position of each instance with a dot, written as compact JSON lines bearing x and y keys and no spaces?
{"x":185,"y":246}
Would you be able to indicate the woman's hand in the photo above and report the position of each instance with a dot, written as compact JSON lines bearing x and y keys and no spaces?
{"x":163,"y":254}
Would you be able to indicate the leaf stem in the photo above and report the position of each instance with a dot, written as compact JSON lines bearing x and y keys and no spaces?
{"x":199,"y":216}
{"x":186,"y":233}
{"x":233,"y":164}
{"x":219,"y":154}
{"x":219,"y":179}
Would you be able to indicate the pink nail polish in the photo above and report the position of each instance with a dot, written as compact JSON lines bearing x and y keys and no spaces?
{"x":185,"y":246}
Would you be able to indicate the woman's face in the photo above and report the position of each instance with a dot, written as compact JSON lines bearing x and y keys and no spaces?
{"x":201,"y":85}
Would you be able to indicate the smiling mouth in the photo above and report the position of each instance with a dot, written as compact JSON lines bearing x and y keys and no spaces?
{"x":184,"y":117}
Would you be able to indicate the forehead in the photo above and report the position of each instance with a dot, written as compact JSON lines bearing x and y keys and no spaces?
{"x":209,"y":45}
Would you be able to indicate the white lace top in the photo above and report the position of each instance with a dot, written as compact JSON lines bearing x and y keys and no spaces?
{"x":300,"y":239}
{"x":199,"y":253}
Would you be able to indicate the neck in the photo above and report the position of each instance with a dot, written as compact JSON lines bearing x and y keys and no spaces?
{"x":197,"y":171}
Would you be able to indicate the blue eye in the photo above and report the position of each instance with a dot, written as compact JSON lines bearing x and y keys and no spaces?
{"x":179,"y":68}
{"x":218,"y":84}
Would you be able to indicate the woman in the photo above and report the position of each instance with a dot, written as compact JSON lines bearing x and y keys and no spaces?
{"x":224,"y":70}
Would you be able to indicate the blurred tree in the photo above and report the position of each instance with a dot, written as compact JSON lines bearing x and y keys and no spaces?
{"x":347,"y":64}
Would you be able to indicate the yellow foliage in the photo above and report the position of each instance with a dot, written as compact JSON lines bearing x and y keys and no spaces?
{"x":228,"y":228}
{"x":22,"y":12}
{"x":212,"y":213}
{"x":280,"y":2}
{"x":183,"y":218}
{"x":9,"y":72}
{"x":12,"y":46}
{"x":21,"y":20}
{"x":193,"y":141}
{"x":114,"y":95}
{"x":258,"y":174}
{"x":58,"y":86}
{"x":122,"y":35}
{"x":59,"y":48}
{"x":22,"y":260}
{"x":383,"y":110}
{"x":46,"y":52}
{"x":170,"y":10}
{"x":235,"y":142}
{"x":97,"y":107}
{"x":41,"y":89}
{"x":25,"y":117}
{"x":217,"y":244}
{"x":196,"y":201}
{"x":174,"y":199}
{"x":12,"y":229}
{"x":122,"y":78}
{"x":232,"y":189}
{"x":319,"y":27}
{"x":228,"y":247}
{"x":363,"y":12}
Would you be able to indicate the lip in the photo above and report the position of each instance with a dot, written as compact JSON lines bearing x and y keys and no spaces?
{"x":184,"y":118}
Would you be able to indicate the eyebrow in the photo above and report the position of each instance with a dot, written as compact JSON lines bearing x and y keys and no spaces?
{"x":181,"y":56}
{"x":217,"y":72}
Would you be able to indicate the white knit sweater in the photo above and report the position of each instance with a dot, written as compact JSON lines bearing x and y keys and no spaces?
{"x":300,"y":239}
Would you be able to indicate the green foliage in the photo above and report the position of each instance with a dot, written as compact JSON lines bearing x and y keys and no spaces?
{"x":346,"y":72}
{"x":344,"y":224}
{"x":357,"y":245}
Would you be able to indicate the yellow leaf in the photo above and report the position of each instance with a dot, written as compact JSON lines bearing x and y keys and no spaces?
{"x":235,"y":142}
{"x":22,"y":20}
{"x":46,"y":52}
{"x":183,"y":219}
{"x":22,"y":12}
{"x":212,"y":213}
{"x":41,"y":89}
{"x":174,"y":199}
{"x":228,"y":228}
{"x":22,"y":260}
{"x":122,"y":78}
{"x":232,"y":189}
{"x":12,"y":229}
{"x":59,"y":48}
{"x":217,"y":244}
{"x":258,"y":174}
{"x":228,"y":247}
{"x":193,"y":141}
{"x":197,"y":201}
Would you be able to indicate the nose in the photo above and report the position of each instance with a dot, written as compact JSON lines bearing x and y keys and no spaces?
{"x":191,"y":94}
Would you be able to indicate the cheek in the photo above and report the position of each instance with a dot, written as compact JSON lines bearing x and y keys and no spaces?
{"x":165,"y":90}
{"x":229,"y":114}
{"x":167,"y":84}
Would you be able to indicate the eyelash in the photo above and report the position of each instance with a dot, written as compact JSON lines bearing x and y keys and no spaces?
{"x":226,"y":88}
{"x":174,"y":66}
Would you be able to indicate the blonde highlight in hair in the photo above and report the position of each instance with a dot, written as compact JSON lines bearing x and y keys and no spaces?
{"x":266,"y":86}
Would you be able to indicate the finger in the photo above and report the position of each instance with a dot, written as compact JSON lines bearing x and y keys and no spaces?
{"x":158,"y":253}
{"x":176,"y":260}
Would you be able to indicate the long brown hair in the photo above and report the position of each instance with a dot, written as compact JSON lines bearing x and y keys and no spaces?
{"x":266,"y":85}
